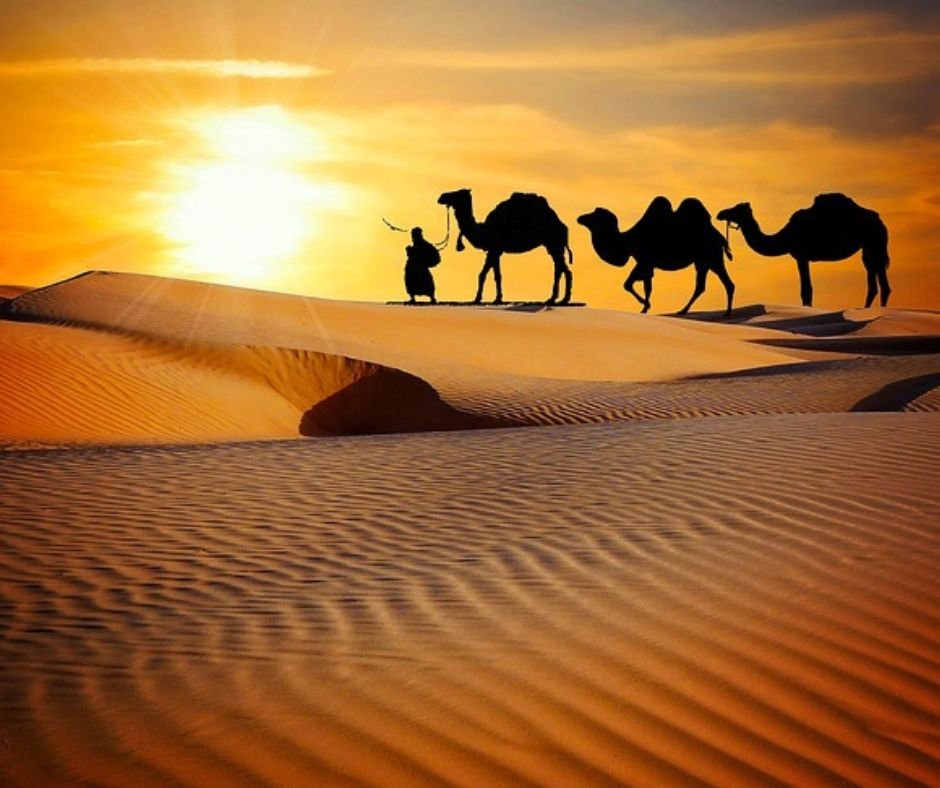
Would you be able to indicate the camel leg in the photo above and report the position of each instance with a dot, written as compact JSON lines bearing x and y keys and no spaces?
{"x":481,"y":278}
{"x":628,"y":286}
{"x":806,"y":282}
{"x":647,"y":293}
{"x":722,"y":273}
{"x":885,"y":287}
{"x":700,"y":273}
{"x":872,"y":287}
{"x":566,"y":272}
{"x":498,"y":278}
{"x":877,"y":279}
{"x":561,"y":269}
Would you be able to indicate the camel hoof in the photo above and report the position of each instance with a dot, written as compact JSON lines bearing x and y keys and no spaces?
{"x":682,"y":312}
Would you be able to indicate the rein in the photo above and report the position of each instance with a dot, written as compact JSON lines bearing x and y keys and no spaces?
{"x":439,"y":245}
{"x":729,"y":226}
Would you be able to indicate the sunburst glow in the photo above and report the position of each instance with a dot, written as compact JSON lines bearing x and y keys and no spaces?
{"x":249,"y":204}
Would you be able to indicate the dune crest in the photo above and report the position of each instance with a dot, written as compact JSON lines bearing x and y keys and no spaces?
{"x":75,"y":385}
{"x":121,"y":358}
{"x":572,"y":344}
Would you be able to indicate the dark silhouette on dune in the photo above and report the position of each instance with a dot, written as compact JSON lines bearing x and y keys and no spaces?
{"x":665,"y":239}
{"x":519,"y":224}
{"x":833,"y":228}
{"x":420,"y":257}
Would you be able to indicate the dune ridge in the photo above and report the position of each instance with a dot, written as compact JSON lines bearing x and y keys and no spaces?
{"x":558,"y":343}
{"x":70,"y":384}
{"x":108,"y":357}
{"x":587,"y":610}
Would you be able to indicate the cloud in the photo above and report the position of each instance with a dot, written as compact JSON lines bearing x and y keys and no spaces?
{"x":858,"y":49}
{"x":251,"y":69}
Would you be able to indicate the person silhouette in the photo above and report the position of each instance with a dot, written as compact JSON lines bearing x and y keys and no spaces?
{"x":420,"y":257}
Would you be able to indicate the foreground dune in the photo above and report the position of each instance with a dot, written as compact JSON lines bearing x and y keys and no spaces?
{"x":624,"y":549}
{"x":737,"y":601}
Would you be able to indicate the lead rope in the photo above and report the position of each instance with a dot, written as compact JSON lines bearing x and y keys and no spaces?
{"x":728,"y":224}
{"x":440,"y":245}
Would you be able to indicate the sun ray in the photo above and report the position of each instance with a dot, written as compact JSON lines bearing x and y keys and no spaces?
{"x":248,"y":204}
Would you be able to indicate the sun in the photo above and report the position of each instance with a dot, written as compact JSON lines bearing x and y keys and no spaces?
{"x":248,"y":204}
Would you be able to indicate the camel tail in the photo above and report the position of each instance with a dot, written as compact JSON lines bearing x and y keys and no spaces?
{"x":570,"y":255}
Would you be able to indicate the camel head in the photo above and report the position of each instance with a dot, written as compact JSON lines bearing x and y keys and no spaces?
{"x":599,"y":219}
{"x":455,"y":199}
{"x":459,"y":200}
{"x":736,"y":214}
{"x":606,"y":236}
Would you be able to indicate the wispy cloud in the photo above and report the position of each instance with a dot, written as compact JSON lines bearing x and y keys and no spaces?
{"x":843,"y":50}
{"x":251,"y":69}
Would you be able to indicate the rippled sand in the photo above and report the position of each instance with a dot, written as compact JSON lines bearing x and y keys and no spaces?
{"x":716,"y":565}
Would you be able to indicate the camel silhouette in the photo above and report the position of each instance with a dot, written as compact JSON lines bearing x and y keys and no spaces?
{"x":834,"y":228}
{"x":664,"y":239}
{"x":519,"y":224}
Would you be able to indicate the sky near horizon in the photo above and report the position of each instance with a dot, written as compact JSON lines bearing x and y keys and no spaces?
{"x":259,"y":143}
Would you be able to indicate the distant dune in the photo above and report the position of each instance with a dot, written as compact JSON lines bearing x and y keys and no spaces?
{"x":623,"y":549}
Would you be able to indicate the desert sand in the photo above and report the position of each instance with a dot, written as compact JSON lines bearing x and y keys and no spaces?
{"x":248,"y":538}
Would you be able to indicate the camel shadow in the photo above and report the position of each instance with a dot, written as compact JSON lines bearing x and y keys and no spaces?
{"x":739,"y":314}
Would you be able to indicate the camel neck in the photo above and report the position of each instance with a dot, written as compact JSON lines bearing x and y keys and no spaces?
{"x":611,"y":245}
{"x":469,"y":227}
{"x":760,"y":242}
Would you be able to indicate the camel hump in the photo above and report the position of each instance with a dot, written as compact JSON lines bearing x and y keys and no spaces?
{"x":527,"y":206}
{"x":528,"y":200}
{"x":834,"y":201}
{"x":659,"y":211}
{"x":657,"y":218}
{"x":692,"y":216}
{"x":836,"y":210}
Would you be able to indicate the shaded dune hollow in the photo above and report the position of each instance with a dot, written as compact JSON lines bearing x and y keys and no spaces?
{"x":338,"y":395}
{"x":69,"y":384}
{"x":388,"y":400}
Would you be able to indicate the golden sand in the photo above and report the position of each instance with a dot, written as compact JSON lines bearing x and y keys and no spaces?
{"x":631,"y":549}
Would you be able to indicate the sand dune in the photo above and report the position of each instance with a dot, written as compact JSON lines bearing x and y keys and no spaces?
{"x":127,"y":358}
{"x":740,"y":601}
{"x":686,"y":557}
{"x":569,"y":344}
{"x":66,"y":385}
{"x":11,"y":291}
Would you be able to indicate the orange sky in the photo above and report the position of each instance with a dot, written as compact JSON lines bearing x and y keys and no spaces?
{"x":260,"y":143}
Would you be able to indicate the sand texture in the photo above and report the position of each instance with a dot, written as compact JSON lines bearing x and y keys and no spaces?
{"x":518,"y":547}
